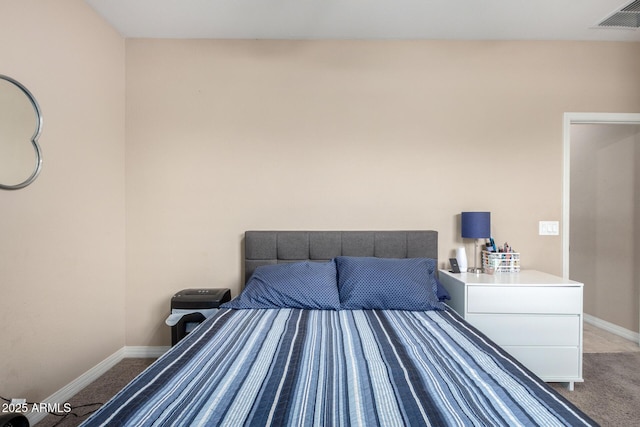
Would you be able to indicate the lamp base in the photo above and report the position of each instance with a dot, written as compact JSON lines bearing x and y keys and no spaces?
{"x":474,"y":269}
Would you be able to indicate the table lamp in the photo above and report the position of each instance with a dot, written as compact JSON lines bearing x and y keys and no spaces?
{"x":476,"y":225}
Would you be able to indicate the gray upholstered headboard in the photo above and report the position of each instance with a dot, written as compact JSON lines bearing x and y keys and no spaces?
{"x":272,"y":247}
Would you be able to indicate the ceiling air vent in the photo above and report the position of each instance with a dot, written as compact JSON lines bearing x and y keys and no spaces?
{"x":627,"y":17}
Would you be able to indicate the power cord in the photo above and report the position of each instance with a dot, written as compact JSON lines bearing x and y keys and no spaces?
{"x":66,"y":414}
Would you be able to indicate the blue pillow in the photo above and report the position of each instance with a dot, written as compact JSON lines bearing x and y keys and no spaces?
{"x":387,"y":284}
{"x":442,"y":293}
{"x":310,"y":285}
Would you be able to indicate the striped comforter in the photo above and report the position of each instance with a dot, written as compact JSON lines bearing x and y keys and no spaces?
{"x":336,"y":368}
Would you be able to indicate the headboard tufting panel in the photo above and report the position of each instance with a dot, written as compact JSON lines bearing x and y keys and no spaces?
{"x":273,"y":247}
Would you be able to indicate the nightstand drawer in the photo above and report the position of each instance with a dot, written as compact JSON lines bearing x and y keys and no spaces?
{"x":531,"y":330}
{"x":549,"y":363}
{"x":524,"y":299}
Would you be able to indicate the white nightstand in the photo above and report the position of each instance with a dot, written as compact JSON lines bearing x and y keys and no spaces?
{"x":536,"y":317}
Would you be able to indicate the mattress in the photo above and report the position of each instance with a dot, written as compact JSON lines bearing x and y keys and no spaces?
{"x":337,"y":368}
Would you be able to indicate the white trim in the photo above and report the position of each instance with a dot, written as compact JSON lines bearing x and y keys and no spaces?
{"x":566,"y":186}
{"x":143,"y":352}
{"x":606,"y":118}
{"x":74,"y":387}
{"x":610,"y":327}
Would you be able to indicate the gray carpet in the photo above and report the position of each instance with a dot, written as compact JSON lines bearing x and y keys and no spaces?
{"x":98,"y":391}
{"x":611,"y":391}
{"x":610,"y":394}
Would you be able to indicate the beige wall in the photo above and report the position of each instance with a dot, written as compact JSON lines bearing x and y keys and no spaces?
{"x":604,"y":220}
{"x":62,"y":263}
{"x":225,"y":136}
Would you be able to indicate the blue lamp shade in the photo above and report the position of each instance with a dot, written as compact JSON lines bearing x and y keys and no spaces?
{"x":476,"y":225}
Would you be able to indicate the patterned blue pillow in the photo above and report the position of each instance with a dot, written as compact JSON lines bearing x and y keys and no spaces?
{"x":310,"y":285}
{"x":442,"y":292}
{"x":387,"y":284}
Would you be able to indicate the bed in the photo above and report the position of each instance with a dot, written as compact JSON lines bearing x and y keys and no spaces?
{"x":337,"y":328}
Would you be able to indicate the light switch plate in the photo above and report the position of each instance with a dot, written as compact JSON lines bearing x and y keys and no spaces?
{"x":549,"y":228}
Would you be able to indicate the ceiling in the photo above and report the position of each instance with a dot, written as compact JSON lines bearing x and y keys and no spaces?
{"x":368,"y":19}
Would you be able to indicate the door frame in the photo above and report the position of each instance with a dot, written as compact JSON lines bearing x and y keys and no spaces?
{"x":584,"y":118}
{"x":581,"y":118}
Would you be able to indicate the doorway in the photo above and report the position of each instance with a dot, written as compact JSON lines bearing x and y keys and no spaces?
{"x":601,"y":217}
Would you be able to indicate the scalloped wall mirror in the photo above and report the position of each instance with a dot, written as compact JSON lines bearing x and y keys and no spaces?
{"x":20,"y":126}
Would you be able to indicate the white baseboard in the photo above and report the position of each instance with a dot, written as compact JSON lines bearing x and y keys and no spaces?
{"x":67,"y":392}
{"x":610,"y":327}
{"x":143,"y":352}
